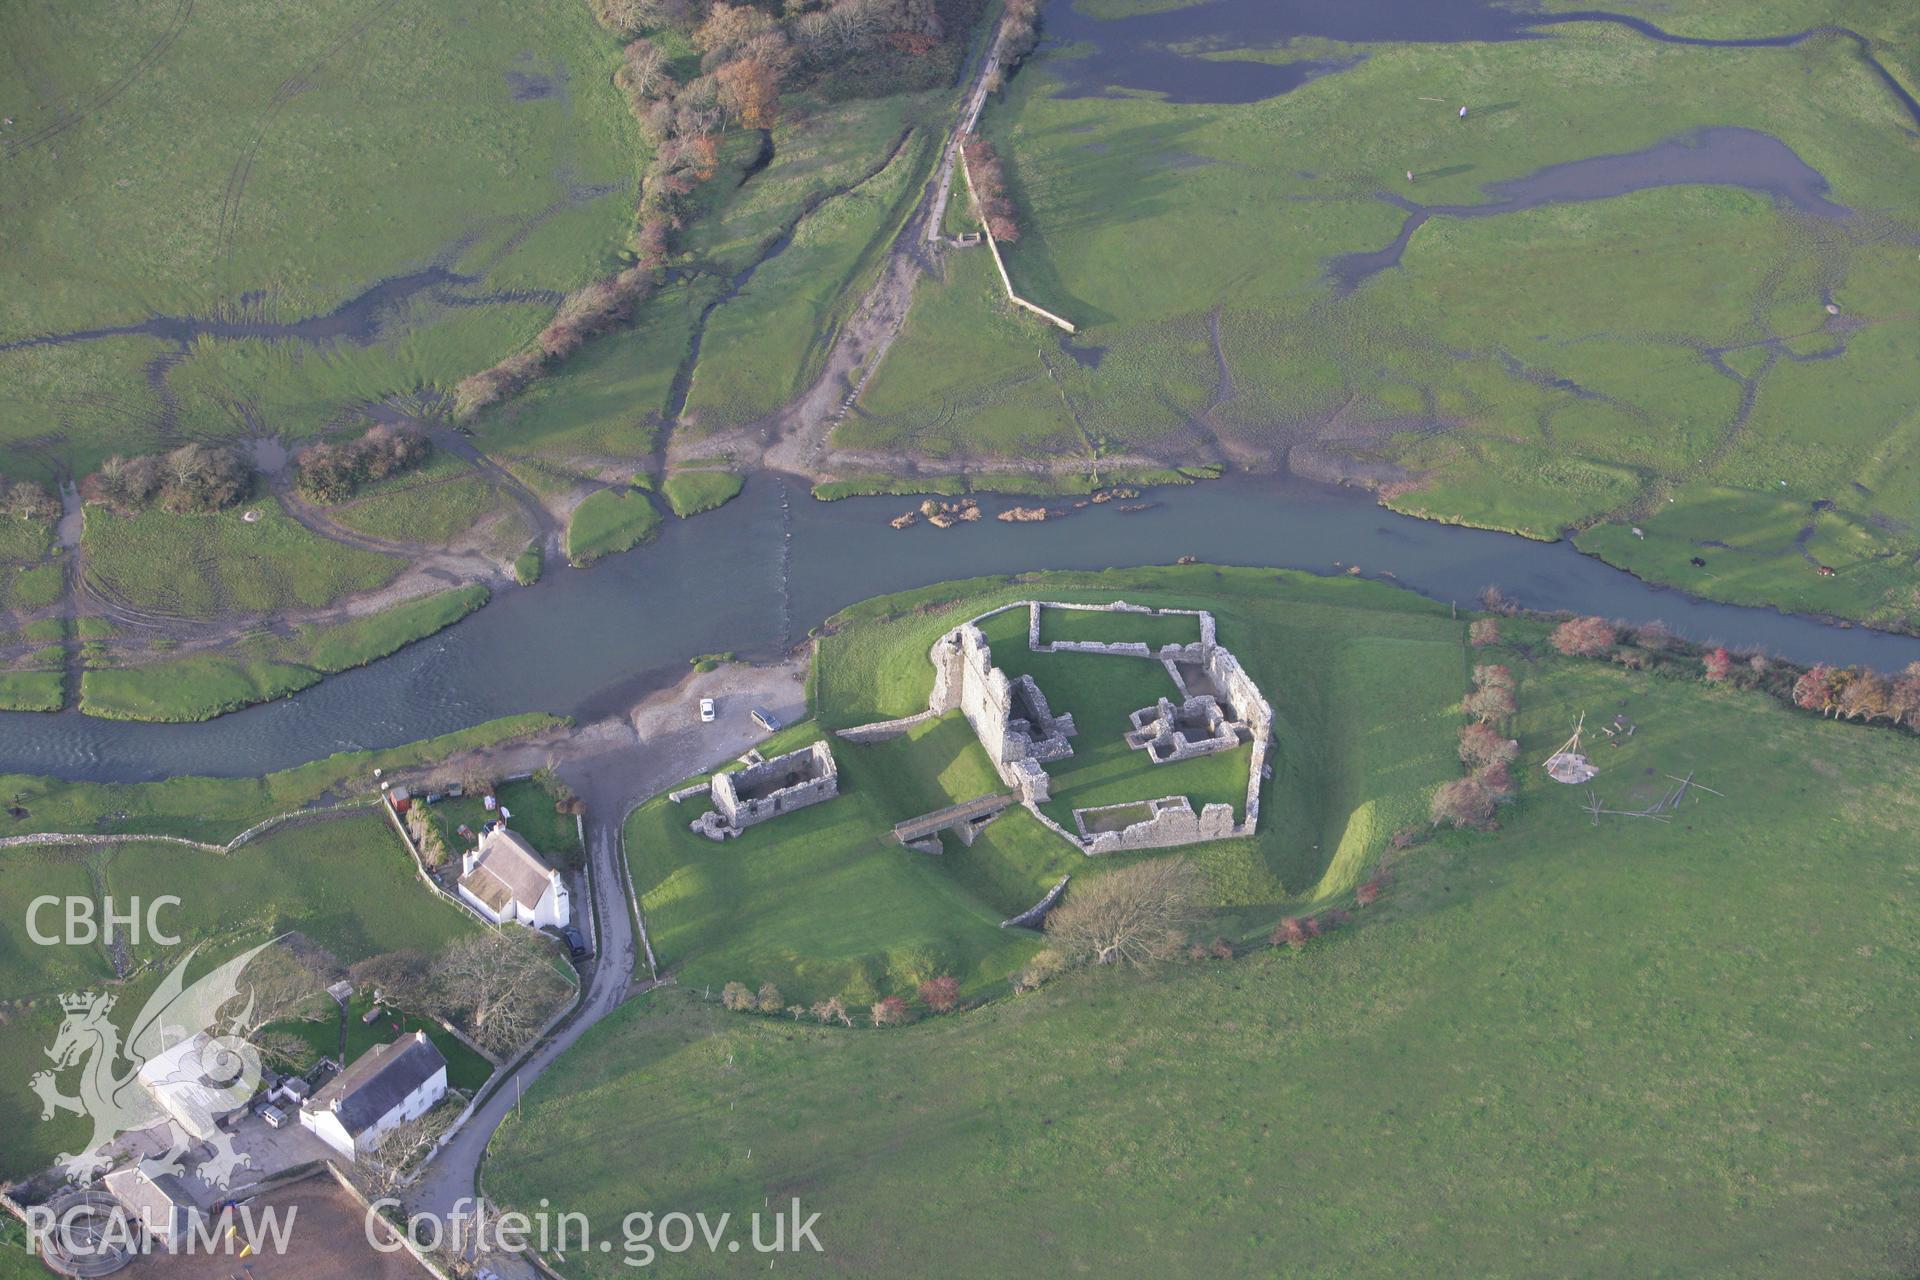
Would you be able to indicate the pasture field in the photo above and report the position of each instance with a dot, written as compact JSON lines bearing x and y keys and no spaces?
{"x":205,"y":565}
{"x":267,"y":168}
{"x":1554,"y":1048}
{"x":1659,"y":358}
{"x":609,"y":521}
{"x":262,"y":666}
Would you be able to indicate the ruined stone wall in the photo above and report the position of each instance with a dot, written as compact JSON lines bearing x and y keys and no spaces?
{"x":821,"y":783}
{"x":1173,"y":823}
{"x":1192,"y":652}
{"x":966,"y":680}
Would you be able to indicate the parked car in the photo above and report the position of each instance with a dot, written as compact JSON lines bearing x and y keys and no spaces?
{"x":707,"y":710}
{"x":766,"y":719}
{"x":576,"y":943}
{"x":274,"y":1116}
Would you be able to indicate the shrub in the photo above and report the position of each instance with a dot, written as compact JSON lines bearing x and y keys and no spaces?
{"x":738,"y":997}
{"x":833,"y":1009}
{"x":940,"y":994}
{"x":24,"y":501}
{"x":128,"y":484}
{"x":1464,"y":802}
{"x":1817,"y":689}
{"x":1496,"y":779}
{"x":768,"y":999}
{"x":1481,"y":745}
{"x":1494,"y":675}
{"x":1042,"y":969}
{"x":888,"y":1011}
{"x":1291,"y":932}
{"x":1482,"y":632}
{"x":1718,"y":664}
{"x":1489,"y":704}
{"x":1584,"y":637}
{"x":1369,"y":893}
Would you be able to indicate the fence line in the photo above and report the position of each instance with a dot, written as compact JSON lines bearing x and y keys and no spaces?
{"x":999,"y":264}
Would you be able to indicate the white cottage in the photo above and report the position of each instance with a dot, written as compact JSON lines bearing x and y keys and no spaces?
{"x":387,"y":1086}
{"x":505,"y":880}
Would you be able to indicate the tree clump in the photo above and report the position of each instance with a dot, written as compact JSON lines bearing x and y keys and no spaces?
{"x":1585,"y":637}
{"x":195,"y":478}
{"x":1482,"y":632}
{"x":1133,"y":915}
{"x":329,"y":473}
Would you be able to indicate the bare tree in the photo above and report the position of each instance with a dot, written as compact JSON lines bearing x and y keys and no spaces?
{"x":500,"y":985}
{"x":384,"y":1170}
{"x":398,"y":977}
{"x":1132,"y":915}
{"x":275,"y":986}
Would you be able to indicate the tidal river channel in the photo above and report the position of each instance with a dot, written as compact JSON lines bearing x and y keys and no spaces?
{"x":755,"y":575}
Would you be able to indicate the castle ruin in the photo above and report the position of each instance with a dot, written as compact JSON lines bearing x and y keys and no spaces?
{"x":1219,"y":708}
{"x":768,"y":788}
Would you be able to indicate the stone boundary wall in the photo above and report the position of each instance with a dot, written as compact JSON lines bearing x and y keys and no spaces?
{"x":881,"y":730}
{"x":999,"y":264}
{"x":1034,"y":916}
{"x":253,"y":832}
{"x":1194,"y":652}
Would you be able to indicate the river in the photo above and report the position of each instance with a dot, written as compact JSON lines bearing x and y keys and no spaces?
{"x":755,"y":575}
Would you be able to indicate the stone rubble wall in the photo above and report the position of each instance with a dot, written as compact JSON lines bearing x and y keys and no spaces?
{"x":731,"y":815}
{"x":1173,"y":823}
{"x":966,"y":679}
{"x":1036,"y":915}
{"x":881,"y":730}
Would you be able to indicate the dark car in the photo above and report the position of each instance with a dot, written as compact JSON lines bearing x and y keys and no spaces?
{"x":576,"y":944}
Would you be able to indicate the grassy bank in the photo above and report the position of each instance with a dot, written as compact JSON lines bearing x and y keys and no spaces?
{"x":215,"y":810}
{"x":1555,"y":1048}
{"x":262,"y":667}
{"x":691,"y":492}
{"x":609,"y":521}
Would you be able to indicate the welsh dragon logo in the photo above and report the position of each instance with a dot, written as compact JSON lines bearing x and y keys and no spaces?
{"x":179,"y":1048}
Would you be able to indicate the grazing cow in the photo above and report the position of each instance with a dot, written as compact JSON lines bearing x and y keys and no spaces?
{"x":1825,"y":572}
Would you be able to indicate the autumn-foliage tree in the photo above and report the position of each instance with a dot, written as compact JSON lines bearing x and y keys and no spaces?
{"x":940,"y":994}
{"x":888,"y":1011}
{"x":1132,"y":915}
{"x":1463,"y":802}
{"x":1817,"y":689}
{"x":1718,"y":664}
{"x":1584,"y":637}
{"x":1489,"y":703}
{"x":1290,"y":932}
{"x":750,"y":91}
{"x":737,"y":996}
{"x":1481,"y":744}
{"x":832,"y":1009}
{"x":1482,"y":632}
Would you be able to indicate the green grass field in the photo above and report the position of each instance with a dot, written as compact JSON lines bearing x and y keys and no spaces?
{"x":265,"y":666}
{"x":1530,"y":372}
{"x":1150,"y":629}
{"x":609,"y":521}
{"x":1559,"y":1048}
{"x":825,"y":902}
{"x":689,"y":493}
{"x":244,"y":160}
{"x":200,"y":566}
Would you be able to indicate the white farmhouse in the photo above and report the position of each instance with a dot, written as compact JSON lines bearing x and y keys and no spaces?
{"x":504,"y":879}
{"x":389,"y":1085}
